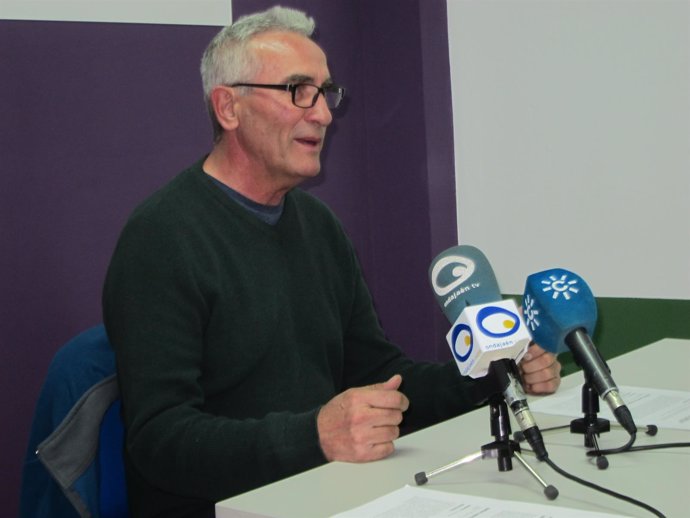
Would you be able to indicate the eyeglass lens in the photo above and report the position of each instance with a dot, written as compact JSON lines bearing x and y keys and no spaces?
{"x":306,"y":95}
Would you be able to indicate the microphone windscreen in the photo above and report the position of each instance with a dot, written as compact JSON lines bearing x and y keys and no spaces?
{"x":557,"y":302}
{"x":462,"y":276}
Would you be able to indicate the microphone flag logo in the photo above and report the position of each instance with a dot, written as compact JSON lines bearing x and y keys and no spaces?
{"x":450,"y":272}
{"x":461,"y":342}
{"x":487,"y":332}
{"x":497,"y":322}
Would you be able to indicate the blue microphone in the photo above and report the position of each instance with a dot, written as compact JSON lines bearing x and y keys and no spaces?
{"x":488,"y":334}
{"x":561,"y":313}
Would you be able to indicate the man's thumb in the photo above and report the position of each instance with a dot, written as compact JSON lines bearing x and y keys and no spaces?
{"x":393,"y":383}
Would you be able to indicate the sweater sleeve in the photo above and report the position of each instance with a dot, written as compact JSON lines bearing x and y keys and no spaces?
{"x":436,"y":391}
{"x":155,"y":312}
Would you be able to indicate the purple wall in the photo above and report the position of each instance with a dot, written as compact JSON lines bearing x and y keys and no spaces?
{"x":94,"y":117}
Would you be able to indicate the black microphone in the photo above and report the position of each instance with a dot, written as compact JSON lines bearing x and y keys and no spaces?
{"x":561,"y":312}
{"x":488,"y":335}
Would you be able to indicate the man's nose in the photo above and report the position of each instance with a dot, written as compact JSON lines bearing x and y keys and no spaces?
{"x":320,"y":112}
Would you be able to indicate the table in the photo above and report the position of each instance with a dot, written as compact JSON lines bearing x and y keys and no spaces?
{"x":660,"y":478}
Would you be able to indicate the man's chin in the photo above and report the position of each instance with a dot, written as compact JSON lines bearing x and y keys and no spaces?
{"x":309,"y":172}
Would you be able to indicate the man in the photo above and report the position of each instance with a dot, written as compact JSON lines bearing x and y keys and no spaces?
{"x":247,"y":345}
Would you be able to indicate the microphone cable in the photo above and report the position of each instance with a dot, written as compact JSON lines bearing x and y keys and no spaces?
{"x":602,"y":462}
{"x":651,"y":430}
{"x":645,"y":447}
{"x":599,"y":488}
{"x":604,"y":490}
{"x":626,"y":447}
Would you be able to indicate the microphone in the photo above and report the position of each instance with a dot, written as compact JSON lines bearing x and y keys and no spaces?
{"x":488,"y":335}
{"x":561,"y":312}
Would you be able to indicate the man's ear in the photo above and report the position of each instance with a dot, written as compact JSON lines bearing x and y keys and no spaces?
{"x":223,"y":102}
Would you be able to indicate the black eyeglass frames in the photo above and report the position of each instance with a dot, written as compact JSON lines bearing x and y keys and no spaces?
{"x":305,"y":95}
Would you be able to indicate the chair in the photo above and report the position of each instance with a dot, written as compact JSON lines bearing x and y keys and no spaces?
{"x":74,"y":462}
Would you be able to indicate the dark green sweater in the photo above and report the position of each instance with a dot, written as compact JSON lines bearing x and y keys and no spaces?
{"x":231,"y":333}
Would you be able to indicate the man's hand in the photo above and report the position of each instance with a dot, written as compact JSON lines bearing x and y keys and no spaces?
{"x":541,"y":371}
{"x":360,"y":424}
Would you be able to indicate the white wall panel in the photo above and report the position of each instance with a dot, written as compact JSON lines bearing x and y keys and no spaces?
{"x":572,"y":140}
{"x":176,"y":12}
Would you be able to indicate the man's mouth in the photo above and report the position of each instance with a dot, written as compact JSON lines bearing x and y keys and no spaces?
{"x":309,"y":141}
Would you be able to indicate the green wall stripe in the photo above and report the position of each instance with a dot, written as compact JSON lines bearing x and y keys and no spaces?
{"x":626,"y":324}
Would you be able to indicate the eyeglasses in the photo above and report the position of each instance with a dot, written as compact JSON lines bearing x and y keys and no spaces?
{"x":305,"y":95}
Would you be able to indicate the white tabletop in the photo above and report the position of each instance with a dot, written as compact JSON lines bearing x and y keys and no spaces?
{"x":660,"y":478}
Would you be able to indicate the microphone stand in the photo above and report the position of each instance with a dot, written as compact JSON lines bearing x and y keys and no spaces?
{"x":590,"y":425}
{"x":501,"y":448}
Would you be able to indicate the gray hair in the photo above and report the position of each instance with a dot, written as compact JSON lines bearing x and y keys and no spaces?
{"x":228,"y":60}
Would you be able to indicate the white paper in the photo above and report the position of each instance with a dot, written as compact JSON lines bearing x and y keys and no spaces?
{"x":663,"y":408}
{"x":413,"y":502}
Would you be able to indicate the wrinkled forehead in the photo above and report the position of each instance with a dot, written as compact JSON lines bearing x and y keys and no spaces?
{"x":280,"y":55}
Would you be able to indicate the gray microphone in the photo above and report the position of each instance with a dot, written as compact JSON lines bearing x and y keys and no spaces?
{"x":488,"y":335}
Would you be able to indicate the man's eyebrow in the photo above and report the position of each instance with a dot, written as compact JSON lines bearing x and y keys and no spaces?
{"x":299,"y":78}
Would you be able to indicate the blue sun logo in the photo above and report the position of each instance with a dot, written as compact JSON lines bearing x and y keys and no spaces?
{"x":560,"y":286}
{"x":531,"y":313}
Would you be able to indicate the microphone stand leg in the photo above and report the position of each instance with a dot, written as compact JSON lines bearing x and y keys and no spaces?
{"x":590,"y":425}
{"x":649,"y":429}
{"x":550,"y":491}
{"x":512,"y":449}
{"x":602,"y":461}
{"x":502,"y":449}
{"x":422,"y":477}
